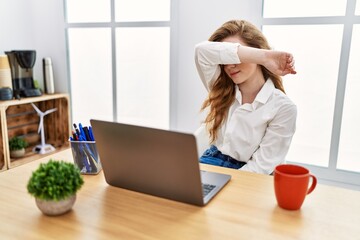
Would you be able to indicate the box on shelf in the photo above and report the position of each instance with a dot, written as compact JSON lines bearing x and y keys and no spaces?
{"x":19,"y":118}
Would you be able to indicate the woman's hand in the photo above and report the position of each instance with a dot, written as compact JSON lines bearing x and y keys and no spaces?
{"x":279,"y":63}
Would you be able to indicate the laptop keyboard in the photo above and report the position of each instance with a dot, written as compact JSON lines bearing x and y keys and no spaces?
{"x":207,"y":188}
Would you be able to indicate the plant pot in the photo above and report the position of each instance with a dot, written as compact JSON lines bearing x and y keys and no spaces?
{"x":54,"y":208}
{"x":17,"y":153}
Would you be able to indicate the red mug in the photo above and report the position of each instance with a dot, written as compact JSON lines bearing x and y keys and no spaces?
{"x":291,"y":183}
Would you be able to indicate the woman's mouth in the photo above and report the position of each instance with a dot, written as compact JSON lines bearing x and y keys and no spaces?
{"x":234,"y":73}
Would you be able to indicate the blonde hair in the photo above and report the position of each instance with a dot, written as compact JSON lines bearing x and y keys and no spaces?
{"x":222,"y":93}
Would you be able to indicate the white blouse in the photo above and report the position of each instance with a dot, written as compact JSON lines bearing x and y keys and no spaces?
{"x":259,"y":133}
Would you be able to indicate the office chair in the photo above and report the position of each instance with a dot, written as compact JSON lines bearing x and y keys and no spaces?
{"x":202,"y":139}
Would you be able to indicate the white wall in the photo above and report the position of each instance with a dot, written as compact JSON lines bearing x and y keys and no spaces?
{"x":51,"y":40}
{"x":197,"y":20}
{"x":15,"y":25}
{"x":36,"y":25}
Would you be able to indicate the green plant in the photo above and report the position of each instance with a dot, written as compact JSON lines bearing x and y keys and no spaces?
{"x":55,"y":180}
{"x":17,"y":143}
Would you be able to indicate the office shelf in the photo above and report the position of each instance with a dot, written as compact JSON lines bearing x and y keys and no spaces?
{"x":19,"y":118}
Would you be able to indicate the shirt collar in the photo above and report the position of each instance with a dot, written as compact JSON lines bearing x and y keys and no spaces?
{"x":265,"y":92}
{"x":261,"y":98}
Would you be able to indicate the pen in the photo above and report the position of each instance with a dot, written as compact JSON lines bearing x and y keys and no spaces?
{"x":76,"y":130}
{"x":87,"y":135}
{"x":74,"y":136}
{"x":91,"y":134}
{"x":82,"y":132}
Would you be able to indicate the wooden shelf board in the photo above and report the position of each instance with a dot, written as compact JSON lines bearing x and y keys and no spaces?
{"x":29,"y":157}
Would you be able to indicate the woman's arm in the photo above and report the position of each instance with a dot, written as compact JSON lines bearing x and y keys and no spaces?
{"x":277,"y":62}
{"x":209,"y":55}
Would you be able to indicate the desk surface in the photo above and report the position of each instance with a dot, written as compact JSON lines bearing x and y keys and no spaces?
{"x":245,"y":209}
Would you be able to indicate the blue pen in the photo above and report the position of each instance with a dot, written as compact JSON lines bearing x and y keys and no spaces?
{"x":82,"y":133}
{"x":81,"y":138}
{"x":91,"y":134}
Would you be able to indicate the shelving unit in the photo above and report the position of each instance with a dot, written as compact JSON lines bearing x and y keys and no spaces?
{"x":19,"y":118}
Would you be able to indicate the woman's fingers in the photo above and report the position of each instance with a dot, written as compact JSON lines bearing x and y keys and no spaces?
{"x":290,"y":66}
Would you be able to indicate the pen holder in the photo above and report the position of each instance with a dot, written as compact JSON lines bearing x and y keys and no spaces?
{"x":86,"y":156}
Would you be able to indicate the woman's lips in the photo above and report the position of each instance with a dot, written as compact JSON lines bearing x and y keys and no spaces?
{"x":234,"y":73}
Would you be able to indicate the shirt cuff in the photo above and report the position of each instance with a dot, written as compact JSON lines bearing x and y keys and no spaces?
{"x":229,"y":53}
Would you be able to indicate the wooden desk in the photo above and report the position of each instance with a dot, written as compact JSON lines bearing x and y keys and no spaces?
{"x":245,"y":209}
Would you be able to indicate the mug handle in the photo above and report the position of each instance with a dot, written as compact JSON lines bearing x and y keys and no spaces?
{"x":313,"y":184}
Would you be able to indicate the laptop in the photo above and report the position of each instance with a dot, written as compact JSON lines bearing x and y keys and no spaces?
{"x":153,"y":161}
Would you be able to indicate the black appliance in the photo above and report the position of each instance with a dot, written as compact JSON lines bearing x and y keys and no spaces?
{"x":21,"y":65}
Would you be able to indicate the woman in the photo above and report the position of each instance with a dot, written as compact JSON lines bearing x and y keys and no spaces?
{"x":250,"y":120}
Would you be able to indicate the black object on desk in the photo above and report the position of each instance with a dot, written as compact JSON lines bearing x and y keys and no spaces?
{"x":31,"y":92}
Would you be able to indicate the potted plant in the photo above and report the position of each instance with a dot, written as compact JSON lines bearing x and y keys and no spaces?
{"x":17,"y":147}
{"x":54,"y":185}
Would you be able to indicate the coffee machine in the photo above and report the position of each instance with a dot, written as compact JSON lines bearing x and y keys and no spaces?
{"x":21,"y":64}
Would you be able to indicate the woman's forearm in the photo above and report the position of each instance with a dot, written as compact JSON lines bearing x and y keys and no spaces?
{"x":277,"y":62}
{"x":251,"y":55}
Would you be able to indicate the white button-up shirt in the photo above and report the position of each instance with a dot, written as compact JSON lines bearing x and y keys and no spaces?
{"x":259,"y":133}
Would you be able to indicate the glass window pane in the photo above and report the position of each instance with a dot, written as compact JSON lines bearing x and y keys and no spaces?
{"x":357,"y":9}
{"x":91,"y":74}
{"x":79,"y":11}
{"x":143,"y":76}
{"x":349,"y":150}
{"x":313,"y":87}
{"x":303,"y":8}
{"x":142,"y":10}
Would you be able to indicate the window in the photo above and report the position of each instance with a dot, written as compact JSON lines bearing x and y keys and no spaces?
{"x":119,"y":60}
{"x":325,"y":42}
{"x":303,"y":8}
{"x":90,"y":65}
{"x":85,"y":11}
{"x":143,"y":71}
{"x":154,"y":10}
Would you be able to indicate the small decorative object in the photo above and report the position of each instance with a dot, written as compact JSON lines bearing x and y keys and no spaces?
{"x":54,"y":185}
{"x":43,"y":148}
{"x":17,"y":147}
{"x":5,"y":73}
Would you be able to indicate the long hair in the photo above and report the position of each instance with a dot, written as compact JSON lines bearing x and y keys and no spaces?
{"x":222,"y":93}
